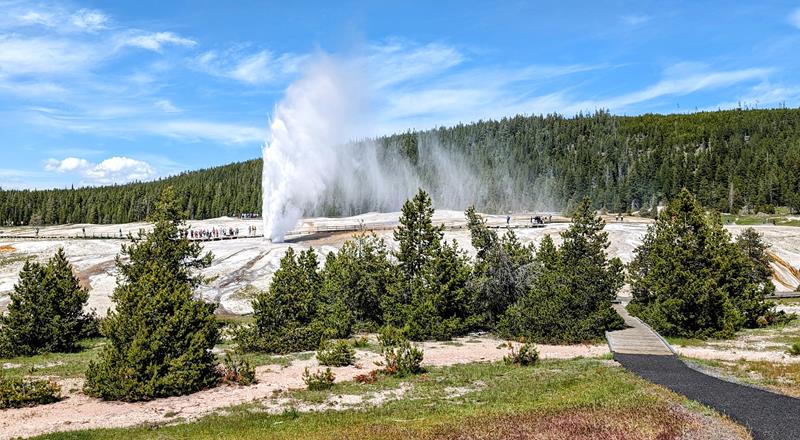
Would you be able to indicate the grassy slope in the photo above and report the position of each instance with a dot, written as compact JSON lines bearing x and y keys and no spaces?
{"x":568,"y":399}
{"x":54,"y":364}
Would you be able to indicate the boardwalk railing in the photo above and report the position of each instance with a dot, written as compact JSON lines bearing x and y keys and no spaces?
{"x":299,"y":231}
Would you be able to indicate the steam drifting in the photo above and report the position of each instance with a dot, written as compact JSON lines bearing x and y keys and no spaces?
{"x":311,"y":166}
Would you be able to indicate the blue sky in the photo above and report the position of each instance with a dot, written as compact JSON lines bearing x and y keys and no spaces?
{"x":107,"y":92}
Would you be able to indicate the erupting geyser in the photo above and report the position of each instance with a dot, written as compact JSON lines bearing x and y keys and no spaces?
{"x":311,"y":166}
{"x":316,"y":114}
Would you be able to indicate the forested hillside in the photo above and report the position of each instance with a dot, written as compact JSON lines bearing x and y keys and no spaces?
{"x":729,"y":159}
{"x":208,"y":193}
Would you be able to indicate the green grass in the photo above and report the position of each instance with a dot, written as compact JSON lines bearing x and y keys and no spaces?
{"x":685,"y":342}
{"x":55,"y":364}
{"x":9,"y":259}
{"x":753,"y":220}
{"x":780,"y":377}
{"x":560,"y":398}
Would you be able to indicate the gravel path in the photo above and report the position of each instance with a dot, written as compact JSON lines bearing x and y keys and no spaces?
{"x":767,"y":415}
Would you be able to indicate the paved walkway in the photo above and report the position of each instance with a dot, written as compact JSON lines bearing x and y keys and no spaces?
{"x":769,"y":416}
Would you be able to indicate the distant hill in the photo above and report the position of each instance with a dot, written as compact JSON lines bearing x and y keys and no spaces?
{"x":729,"y":159}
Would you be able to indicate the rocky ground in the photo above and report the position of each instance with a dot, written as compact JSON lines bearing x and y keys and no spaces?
{"x":252,"y":261}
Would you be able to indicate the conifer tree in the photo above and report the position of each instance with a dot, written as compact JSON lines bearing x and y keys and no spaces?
{"x":689,"y":279}
{"x":359,"y":275}
{"x":294,"y":315}
{"x":159,"y":336}
{"x":417,"y":237}
{"x":429,"y":299}
{"x":46,"y":310}
{"x":572,"y":287}
{"x":501,"y":272}
{"x":442,"y":305}
{"x":753,"y":246}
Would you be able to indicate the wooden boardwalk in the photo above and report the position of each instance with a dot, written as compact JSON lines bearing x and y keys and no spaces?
{"x":638,"y":338}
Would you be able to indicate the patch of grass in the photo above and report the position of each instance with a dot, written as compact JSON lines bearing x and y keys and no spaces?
{"x":753,"y":220}
{"x":7,"y":259}
{"x":248,"y":292}
{"x":452,"y":343}
{"x":558,"y":399}
{"x":257,"y":359}
{"x":780,"y":377}
{"x":54,"y":364}
{"x":235,"y":319}
{"x":686,"y":342}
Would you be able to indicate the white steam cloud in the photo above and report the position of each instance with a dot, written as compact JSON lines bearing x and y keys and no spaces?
{"x":311,"y":166}
{"x":299,"y":161}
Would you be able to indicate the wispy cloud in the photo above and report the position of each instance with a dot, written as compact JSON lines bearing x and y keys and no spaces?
{"x":256,"y":68}
{"x":155,"y":41}
{"x":89,"y":20}
{"x":44,"y":55}
{"x":55,"y":17}
{"x":166,"y":106}
{"x":479,"y":93}
{"x":130,"y":122}
{"x":685,"y":84}
{"x":794,"y":18}
{"x":196,"y":130}
{"x":395,"y":61}
{"x":635,"y":19}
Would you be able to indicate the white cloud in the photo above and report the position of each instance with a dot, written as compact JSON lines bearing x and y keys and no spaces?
{"x":89,"y":20}
{"x":117,"y":169}
{"x":68,"y":164}
{"x":41,"y":55}
{"x":155,"y":40}
{"x":166,"y":106}
{"x":54,"y":17}
{"x":37,"y":18}
{"x":794,"y":18}
{"x":120,"y":169}
{"x":396,"y":62}
{"x":256,"y":68}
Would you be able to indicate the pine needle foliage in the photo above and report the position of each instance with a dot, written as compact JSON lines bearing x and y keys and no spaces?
{"x":159,"y":335}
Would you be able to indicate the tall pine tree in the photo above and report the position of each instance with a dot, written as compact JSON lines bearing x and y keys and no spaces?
{"x":159,"y":337}
{"x":572,"y":287}
{"x":690,"y":279}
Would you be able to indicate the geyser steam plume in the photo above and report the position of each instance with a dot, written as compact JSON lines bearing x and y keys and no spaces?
{"x":312,"y":168}
{"x":316,"y":114}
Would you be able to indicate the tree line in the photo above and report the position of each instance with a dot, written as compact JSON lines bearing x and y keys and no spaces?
{"x":729,"y":160}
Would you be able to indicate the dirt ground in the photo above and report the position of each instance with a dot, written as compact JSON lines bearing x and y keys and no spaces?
{"x":78,"y":411}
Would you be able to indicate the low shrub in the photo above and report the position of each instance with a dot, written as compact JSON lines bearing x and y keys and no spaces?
{"x":361,"y":342}
{"x":18,"y":392}
{"x":319,"y":380}
{"x":237,"y":371}
{"x":390,"y":336}
{"x":794,"y":350}
{"x":336,"y":354}
{"x":367,"y":378}
{"x":525,"y":356}
{"x":403,"y":359}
